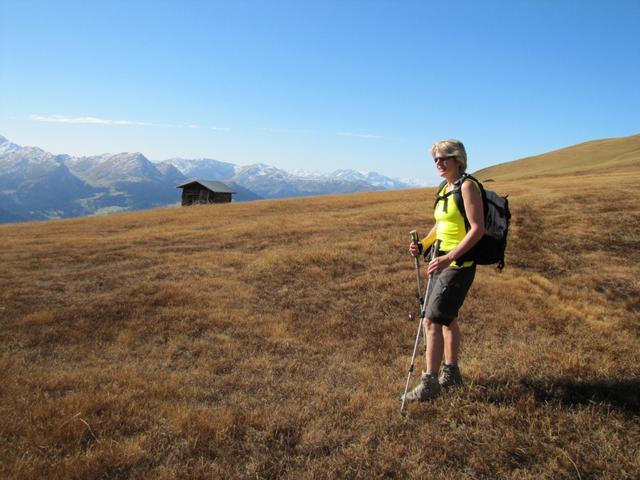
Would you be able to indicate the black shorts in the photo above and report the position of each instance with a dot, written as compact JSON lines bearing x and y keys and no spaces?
{"x":448,"y":291}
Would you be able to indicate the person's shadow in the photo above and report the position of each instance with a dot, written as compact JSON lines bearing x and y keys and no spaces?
{"x":622,"y":395}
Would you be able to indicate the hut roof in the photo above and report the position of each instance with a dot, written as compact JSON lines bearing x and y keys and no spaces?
{"x":213,"y":185}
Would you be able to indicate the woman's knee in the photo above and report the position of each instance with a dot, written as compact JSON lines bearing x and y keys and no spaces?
{"x":452,"y":327}
{"x":433,"y":327}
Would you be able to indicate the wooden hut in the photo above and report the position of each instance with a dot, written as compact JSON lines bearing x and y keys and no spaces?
{"x":205,"y":191}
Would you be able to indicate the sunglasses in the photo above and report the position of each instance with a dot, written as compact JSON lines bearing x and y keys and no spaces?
{"x":443,"y":159}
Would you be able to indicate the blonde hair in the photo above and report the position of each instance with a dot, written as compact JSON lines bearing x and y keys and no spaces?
{"x":451,"y":148}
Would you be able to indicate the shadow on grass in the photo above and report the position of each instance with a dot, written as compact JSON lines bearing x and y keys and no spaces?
{"x":623,"y":395}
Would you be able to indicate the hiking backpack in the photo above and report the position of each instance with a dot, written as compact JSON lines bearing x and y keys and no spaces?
{"x":490,"y":248}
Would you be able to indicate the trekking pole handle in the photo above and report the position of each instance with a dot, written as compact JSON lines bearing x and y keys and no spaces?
{"x":414,"y":236}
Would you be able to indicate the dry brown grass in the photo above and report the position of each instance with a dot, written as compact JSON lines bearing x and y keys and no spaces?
{"x":270,"y":340}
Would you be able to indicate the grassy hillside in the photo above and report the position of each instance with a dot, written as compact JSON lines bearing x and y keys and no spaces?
{"x":598,"y":157}
{"x":271,"y":339}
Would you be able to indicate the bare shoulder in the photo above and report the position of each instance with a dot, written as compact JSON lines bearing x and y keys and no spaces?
{"x":470,"y":188}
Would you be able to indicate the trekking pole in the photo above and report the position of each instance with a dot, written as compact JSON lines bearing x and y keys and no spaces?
{"x":414,"y":238}
{"x":423,"y":308}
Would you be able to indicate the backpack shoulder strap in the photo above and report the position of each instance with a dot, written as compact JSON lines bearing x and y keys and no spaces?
{"x":440,"y":197}
{"x":460,"y":201}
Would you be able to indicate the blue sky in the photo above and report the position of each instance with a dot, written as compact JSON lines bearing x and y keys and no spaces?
{"x":319,"y":85}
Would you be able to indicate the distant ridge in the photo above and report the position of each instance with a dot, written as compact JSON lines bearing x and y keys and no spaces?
{"x":38,"y":185}
{"x":592,"y":157}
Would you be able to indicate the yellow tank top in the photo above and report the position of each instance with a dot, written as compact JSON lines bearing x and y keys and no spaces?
{"x":451,"y":229}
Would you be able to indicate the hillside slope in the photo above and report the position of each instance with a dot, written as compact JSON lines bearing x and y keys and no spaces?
{"x":595,"y":157}
{"x":271,"y":340}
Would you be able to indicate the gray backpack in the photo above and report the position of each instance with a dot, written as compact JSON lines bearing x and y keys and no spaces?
{"x":491,"y":247}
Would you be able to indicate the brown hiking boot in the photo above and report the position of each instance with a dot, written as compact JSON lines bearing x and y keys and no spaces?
{"x":427,"y":389}
{"x":450,"y":376}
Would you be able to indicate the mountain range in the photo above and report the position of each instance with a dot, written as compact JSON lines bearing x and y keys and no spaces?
{"x":38,"y":185}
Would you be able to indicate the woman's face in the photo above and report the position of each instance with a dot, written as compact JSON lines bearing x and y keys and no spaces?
{"x":446,"y":166}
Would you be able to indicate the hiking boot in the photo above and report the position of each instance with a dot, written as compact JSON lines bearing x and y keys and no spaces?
{"x":427,"y":389}
{"x":450,"y":376}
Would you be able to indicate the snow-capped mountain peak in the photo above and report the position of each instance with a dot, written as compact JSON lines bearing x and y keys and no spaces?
{"x":7,"y":147}
{"x":260,"y":170}
{"x":204,"y":168}
{"x":345,"y":174}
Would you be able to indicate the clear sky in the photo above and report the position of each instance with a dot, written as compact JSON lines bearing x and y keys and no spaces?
{"x":318,"y":85}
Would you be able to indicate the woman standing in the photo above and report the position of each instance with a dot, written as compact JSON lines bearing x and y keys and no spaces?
{"x":450,"y":279}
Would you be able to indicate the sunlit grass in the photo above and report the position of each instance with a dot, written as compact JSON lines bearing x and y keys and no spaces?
{"x":271,"y":339}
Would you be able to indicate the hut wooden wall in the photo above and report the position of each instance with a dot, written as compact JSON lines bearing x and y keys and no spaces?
{"x":198,"y":195}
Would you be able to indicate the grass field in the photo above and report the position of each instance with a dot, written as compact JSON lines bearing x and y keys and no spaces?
{"x":270,"y":339}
